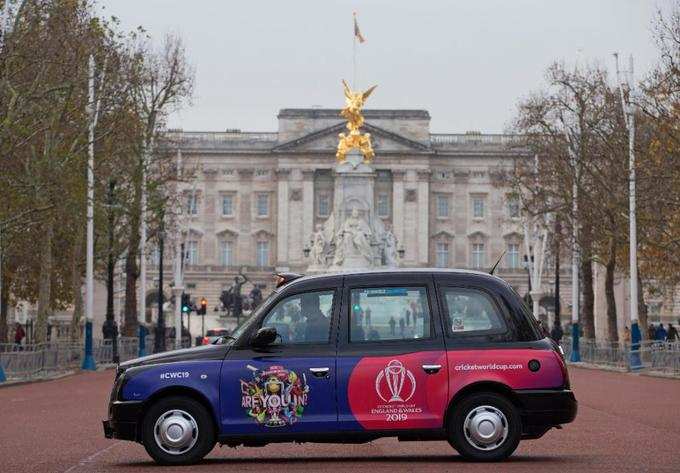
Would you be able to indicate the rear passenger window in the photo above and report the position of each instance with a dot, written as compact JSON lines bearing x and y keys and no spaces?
{"x":389,"y":313}
{"x":471,"y":312}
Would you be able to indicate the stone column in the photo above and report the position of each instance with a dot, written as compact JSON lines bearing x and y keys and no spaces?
{"x":423,"y":216}
{"x":282,"y":217}
{"x":307,"y":205}
{"x":208,"y":214}
{"x":398,"y":205}
{"x":245,"y":249}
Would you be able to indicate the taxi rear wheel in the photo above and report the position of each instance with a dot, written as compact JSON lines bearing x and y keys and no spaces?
{"x":485,"y":427}
{"x":178,"y":431}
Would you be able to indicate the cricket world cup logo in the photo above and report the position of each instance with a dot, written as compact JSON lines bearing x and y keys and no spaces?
{"x":395,"y":383}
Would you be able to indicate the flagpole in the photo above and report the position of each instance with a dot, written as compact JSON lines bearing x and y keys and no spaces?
{"x":354,"y":53}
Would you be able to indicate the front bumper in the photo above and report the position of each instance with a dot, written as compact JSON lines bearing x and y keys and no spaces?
{"x":545,"y":408}
{"x":123,"y":421}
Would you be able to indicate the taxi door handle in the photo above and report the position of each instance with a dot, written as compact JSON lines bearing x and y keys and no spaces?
{"x":320,"y":372}
{"x":432,"y":369}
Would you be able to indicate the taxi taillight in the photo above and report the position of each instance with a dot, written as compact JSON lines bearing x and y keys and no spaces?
{"x":563,"y":366}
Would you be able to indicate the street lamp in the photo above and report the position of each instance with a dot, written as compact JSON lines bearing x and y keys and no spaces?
{"x":629,"y":108}
{"x":159,"y":340}
{"x":110,"y":329}
{"x":527,"y":266}
{"x":558,"y":231}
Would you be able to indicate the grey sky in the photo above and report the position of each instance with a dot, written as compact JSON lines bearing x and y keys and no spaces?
{"x":466,"y":61}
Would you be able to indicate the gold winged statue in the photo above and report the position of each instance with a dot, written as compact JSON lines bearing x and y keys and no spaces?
{"x":354,"y":101}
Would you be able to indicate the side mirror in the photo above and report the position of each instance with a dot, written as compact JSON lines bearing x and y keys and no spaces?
{"x":264,"y":337}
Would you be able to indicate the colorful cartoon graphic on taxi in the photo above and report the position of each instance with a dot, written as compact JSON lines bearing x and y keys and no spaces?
{"x":276,"y":397}
{"x":395,"y":383}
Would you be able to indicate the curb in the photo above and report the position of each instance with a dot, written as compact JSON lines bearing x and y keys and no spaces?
{"x":53,"y":377}
{"x":20,"y":382}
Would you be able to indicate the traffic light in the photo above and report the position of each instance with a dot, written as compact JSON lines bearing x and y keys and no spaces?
{"x":186,"y":303}
{"x":203,"y":309}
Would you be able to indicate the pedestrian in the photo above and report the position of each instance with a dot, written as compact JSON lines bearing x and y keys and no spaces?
{"x":256,"y":296}
{"x":672,"y":333}
{"x":651,"y":332}
{"x":626,"y":335}
{"x":557,"y":333}
{"x":402,"y":326}
{"x":661,"y":333}
{"x":19,"y":335}
{"x":392,"y":323}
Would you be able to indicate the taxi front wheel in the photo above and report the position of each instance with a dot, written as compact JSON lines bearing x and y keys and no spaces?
{"x":485,"y":427}
{"x":178,"y":431}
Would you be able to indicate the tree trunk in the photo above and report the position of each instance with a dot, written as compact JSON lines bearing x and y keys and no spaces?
{"x":45,"y":282}
{"x":4,"y":306}
{"x":642,"y":308}
{"x":587,"y":310}
{"x":612,"y":329}
{"x":77,"y":287}
{"x":131,"y":275}
{"x":557,"y":255}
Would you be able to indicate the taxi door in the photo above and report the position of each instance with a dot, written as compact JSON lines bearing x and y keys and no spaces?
{"x":392,"y":372}
{"x":288,"y":387}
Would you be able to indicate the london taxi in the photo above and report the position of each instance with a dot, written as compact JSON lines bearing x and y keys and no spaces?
{"x":349,"y":358}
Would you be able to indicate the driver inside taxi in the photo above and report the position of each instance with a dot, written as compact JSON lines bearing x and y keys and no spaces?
{"x":317,"y":325}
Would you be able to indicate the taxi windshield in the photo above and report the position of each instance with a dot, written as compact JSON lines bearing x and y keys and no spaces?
{"x":247,"y":323}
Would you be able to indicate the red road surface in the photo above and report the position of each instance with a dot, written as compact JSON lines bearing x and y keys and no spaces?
{"x":625,"y":423}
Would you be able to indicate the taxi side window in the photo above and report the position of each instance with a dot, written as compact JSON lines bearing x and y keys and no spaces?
{"x":302,"y":318}
{"x":471,"y":312}
{"x":389,"y":313}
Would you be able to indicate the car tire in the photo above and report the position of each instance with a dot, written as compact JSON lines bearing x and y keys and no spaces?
{"x":485,"y":427}
{"x":178,"y":431}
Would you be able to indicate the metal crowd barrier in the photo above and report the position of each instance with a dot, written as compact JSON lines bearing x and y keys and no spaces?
{"x":29,"y":361}
{"x":21,"y":362}
{"x":650,"y":355}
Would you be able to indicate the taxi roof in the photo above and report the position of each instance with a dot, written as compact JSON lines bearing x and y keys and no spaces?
{"x":361,"y":272}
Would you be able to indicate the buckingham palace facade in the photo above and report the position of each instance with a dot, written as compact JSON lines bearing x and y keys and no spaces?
{"x":255,"y":199}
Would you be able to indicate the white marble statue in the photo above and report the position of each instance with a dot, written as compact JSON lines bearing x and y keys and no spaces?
{"x":354,"y":237}
{"x":389,"y":247}
{"x":318,"y":247}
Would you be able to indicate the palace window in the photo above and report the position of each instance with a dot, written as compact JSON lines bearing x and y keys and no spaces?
{"x":442,"y":255}
{"x":191,"y":252}
{"x":478,"y":207}
{"x":324,"y":209}
{"x":227,"y":205}
{"x":383,"y":205}
{"x":478,"y":255}
{"x":155,"y":256}
{"x":192,"y":204}
{"x":512,"y":256}
{"x":226,"y":253}
{"x":513,"y":207}
{"x":262,"y":205}
{"x":262,"y":253}
{"x":442,"y":206}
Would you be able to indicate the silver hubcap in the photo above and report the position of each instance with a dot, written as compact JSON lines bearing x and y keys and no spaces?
{"x":176,"y":432}
{"x":485,"y":428}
